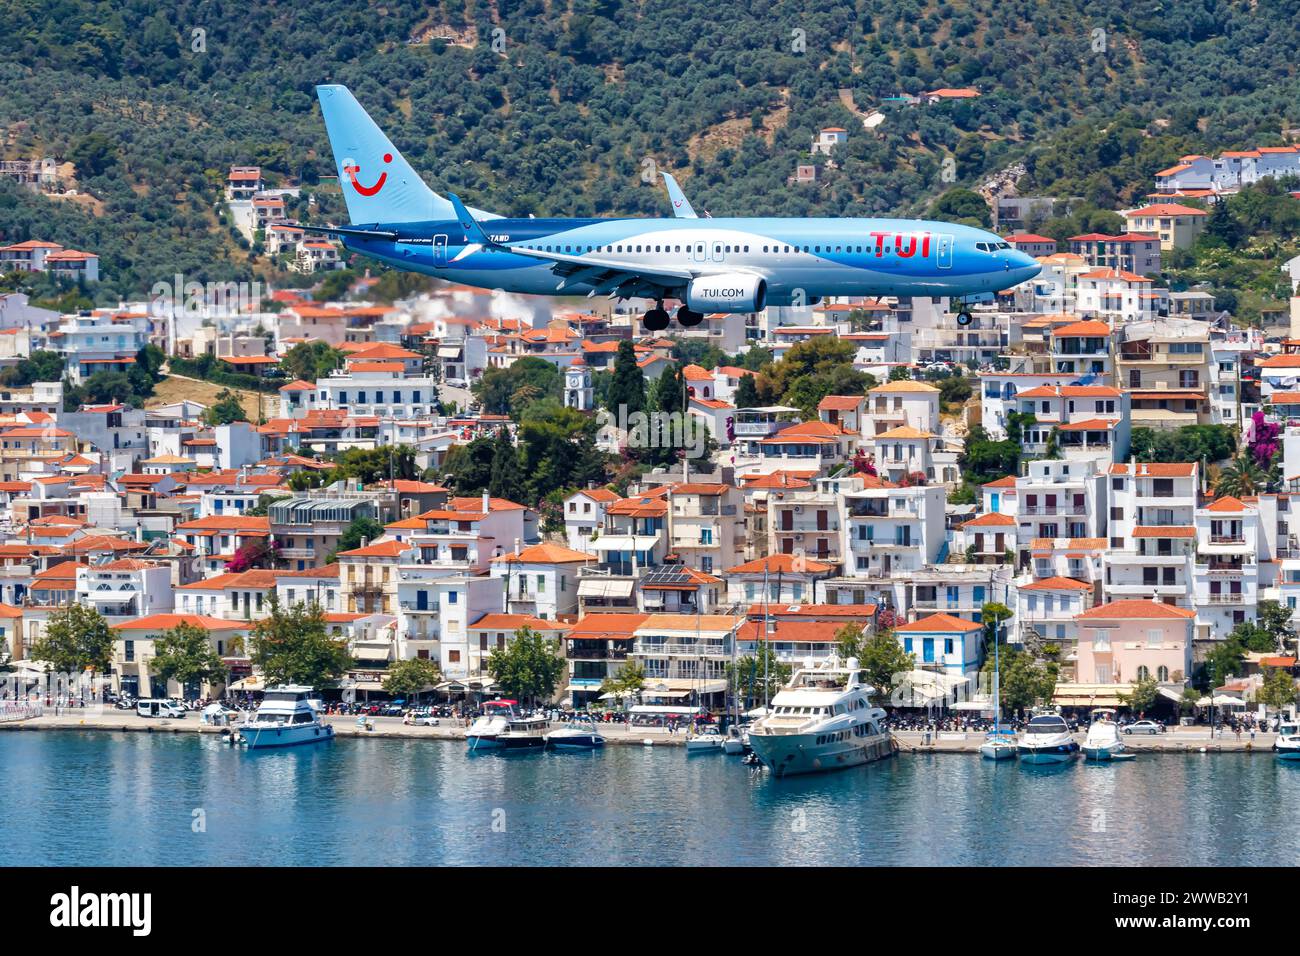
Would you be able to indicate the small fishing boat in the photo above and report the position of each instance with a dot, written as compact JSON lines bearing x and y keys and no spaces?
{"x":1103,"y":741}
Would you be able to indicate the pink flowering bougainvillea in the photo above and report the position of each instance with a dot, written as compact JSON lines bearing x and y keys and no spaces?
{"x":1264,"y":444}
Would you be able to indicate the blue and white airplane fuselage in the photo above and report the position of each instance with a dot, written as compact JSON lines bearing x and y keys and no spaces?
{"x":710,"y":265}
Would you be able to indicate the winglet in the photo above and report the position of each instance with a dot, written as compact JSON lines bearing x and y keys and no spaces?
{"x":681,"y":205}
{"x":473,"y":231}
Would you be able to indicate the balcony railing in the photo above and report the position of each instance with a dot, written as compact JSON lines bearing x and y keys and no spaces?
{"x":1229,"y":598}
{"x":680,"y":650}
{"x":596,"y":654}
{"x":1227,"y":539}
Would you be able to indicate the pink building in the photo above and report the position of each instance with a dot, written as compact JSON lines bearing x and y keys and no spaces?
{"x":1129,"y":640}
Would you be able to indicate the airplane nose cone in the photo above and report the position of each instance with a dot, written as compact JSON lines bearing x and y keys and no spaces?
{"x":1024,"y":266}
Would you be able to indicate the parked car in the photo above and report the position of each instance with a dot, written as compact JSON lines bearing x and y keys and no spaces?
{"x":159,"y":708}
{"x":457,"y":383}
{"x":1145,"y":727}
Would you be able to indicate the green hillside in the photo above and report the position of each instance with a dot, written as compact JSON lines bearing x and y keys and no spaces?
{"x":562,"y":119}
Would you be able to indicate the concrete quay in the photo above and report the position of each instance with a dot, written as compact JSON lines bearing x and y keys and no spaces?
{"x":1176,"y":740}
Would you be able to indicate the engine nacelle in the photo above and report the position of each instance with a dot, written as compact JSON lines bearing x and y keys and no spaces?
{"x":729,"y":292}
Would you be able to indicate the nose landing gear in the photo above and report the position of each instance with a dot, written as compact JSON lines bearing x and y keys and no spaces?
{"x":962,"y":308}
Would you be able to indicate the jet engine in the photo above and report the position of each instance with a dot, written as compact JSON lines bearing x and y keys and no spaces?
{"x":728,"y":292}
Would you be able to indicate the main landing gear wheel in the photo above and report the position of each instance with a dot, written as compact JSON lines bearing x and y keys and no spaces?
{"x":965,"y":318}
{"x":656,"y":320}
{"x":689,"y":317}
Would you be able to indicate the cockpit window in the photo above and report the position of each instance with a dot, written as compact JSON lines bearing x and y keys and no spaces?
{"x":1004,"y":245}
{"x":983,"y":246}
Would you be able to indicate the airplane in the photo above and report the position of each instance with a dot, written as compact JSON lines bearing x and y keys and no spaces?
{"x":727,"y":265}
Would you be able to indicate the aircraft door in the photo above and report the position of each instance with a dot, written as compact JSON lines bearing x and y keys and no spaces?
{"x":718,"y":254}
{"x":699,"y":251}
{"x":943,"y":251}
{"x":439,"y":251}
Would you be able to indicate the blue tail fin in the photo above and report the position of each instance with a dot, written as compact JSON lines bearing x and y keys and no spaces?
{"x":379,"y":185}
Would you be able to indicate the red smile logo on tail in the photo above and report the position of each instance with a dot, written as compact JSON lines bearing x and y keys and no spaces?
{"x":351,"y":168}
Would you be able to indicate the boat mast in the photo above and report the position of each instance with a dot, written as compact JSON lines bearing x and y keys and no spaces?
{"x":764,"y":646}
{"x":997,"y":677}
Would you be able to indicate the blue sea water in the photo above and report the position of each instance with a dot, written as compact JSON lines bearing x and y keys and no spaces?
{"x":72,"y":798}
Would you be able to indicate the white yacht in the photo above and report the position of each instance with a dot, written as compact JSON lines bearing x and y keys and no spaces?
{"x":1103,"y":741}
{"x":500,"y":728}
{"x":288,"y":715}
{"x":709,"y":742}
{"x":1287,"y":744}
{"x":823,"y":720}
{"x":1047,"y":739}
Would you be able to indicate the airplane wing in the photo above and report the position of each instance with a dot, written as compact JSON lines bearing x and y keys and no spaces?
{"x":603,"y":276}
{"x":681,"y":205}
{"x":351,"y":231}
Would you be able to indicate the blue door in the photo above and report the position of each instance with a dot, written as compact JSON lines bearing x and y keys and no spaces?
{"x":927,"y":650}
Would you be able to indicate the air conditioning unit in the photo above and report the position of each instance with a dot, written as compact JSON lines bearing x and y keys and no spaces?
{"x":798,"y":509}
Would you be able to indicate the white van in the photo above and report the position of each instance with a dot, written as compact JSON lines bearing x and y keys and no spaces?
{"x":159,"y":708}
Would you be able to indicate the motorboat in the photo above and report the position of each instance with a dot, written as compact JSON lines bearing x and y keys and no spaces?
{"x":524,"y":733}
{"x":1103,"y":741}
{"x":822,"y":720}
{"x":736,"y":742}
{"x":501,"y":728}
{"x":289,"y":715}
{"x":709,"y":742}
{"x":1047,"y":739}
{"x":999,"y":745}
{"x":579,"y":735}
{"x":1287,"y":744}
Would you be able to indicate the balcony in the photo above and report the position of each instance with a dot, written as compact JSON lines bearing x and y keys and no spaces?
{"x":1227,"y":539}
{"x":717,"y":651}
{"x":1066,"y":510}
{"x":1228,"y":598}
{"x":595,"y":654}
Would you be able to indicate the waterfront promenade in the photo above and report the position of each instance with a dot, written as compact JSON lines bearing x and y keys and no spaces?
{"x":1176,"y":740}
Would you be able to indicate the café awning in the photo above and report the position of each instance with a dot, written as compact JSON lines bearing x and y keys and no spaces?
{"x":362,"y":653}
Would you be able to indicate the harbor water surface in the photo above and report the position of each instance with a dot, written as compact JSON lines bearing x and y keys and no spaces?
{"x":84,"y":798}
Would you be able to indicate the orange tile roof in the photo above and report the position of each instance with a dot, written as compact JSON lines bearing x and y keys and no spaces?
{"x":803,"y":632}
{"x":1164,"y":209}
{"x":606,"y":626}
{"x":165,"y":622}
{"x":1135,"y":609}
{"x":512,"y":622}
{"x":1226,"y":504}
{"x":1164,"y":531}
{"x":1089,"y":327}
{"x":991,"y":519}
{"x":939,"y":624}
{"x":384,"y":549}
{"x":545,"y":554}
{"x":783,"y":564}
{"x":1056,"y":583}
